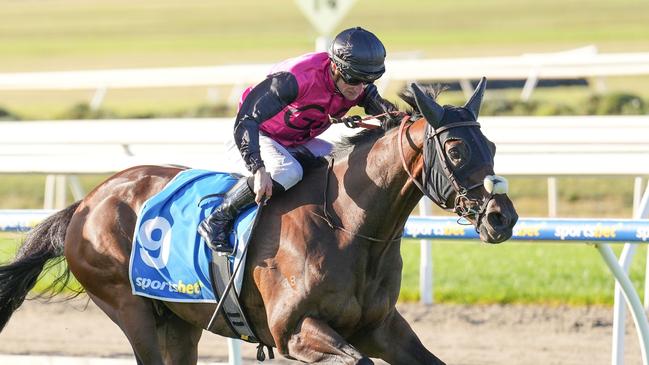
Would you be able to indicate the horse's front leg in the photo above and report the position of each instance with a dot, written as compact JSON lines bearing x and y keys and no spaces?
{"x":395,"y":342}
{"x":315,"y":342}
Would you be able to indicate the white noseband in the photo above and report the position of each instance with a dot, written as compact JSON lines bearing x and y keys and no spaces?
{"x":495,"y":184}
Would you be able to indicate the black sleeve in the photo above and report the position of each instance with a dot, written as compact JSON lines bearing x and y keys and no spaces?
{"x":262,"y":103}
{"x":374,"y":104}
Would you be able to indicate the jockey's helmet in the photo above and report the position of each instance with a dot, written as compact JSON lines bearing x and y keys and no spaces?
{"x":359,"y":55}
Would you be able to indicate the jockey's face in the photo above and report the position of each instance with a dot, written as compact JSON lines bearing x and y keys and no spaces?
{"x":350,"y":91}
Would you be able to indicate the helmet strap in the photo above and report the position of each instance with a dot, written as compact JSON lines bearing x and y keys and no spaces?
{"x":335,"y":75}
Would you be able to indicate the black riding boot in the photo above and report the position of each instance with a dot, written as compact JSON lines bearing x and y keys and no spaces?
{"x":216,"y":228}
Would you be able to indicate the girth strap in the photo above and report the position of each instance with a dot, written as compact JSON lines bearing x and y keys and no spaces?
{"x":228,"y":301}
{"x":234,"y":315}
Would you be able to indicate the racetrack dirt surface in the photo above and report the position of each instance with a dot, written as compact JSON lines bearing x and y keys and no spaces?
{"x":462,"y":335}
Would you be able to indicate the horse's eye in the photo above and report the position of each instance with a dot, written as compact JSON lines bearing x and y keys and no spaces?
{"x":456,"y":152}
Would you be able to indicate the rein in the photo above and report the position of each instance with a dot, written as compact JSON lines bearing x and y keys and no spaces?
{"x":328,"y":219}
{"x":402,"y":128}
{"x":356,"y":122}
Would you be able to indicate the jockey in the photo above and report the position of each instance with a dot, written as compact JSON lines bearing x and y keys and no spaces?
{"x":282,"y":116}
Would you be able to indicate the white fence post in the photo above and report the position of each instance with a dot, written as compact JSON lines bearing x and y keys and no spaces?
{"x":48,"y":197}
{"x":61,"y":191}
{"x":552,"y":197}
{"x":426,"y":259}
{"x":98,"y":98}
{"x":234,"y":352}
{"x":619,"y":309}
{"x":637,"y":192}
{"x":75,"y":185}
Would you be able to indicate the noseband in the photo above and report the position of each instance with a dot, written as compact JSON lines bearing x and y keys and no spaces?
{"x":463,"y":206}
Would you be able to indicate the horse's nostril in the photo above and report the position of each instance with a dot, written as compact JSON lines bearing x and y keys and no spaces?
{"x":495,"y":219}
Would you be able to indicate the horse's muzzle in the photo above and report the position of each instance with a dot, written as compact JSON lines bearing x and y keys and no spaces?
{"x":499,"y":220}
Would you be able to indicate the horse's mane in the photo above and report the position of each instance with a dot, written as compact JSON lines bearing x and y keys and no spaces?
{"x":347,"y":144}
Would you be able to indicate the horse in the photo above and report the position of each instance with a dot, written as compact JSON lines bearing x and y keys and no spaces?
{"x":323,"y":271}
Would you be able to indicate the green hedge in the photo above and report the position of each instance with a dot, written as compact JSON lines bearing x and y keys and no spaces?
{"x":617,"y":103}
{"x":84,"y":111}
{"x":605,"y":104}
{"x":6,"y":114}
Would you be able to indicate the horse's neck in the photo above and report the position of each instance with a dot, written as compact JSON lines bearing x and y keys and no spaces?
{"x":375,"y":194}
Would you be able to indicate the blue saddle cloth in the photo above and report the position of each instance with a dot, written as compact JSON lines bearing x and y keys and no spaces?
{"x":169,"y":260}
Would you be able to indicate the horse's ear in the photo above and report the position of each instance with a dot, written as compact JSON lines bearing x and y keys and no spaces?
{"x":473,"y":105}
{"x":433,"y":112}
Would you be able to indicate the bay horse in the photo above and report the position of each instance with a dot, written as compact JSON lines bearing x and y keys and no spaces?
{"x":323,"y":271}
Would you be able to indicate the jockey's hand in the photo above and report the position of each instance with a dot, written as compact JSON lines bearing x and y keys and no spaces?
{"x":263,"y":186}
{"x":350,"y":122}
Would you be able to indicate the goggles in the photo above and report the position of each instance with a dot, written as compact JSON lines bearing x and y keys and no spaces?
{"x":351,"y":80}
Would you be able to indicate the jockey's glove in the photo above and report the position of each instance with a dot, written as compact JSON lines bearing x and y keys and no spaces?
{"x":350,"y":122}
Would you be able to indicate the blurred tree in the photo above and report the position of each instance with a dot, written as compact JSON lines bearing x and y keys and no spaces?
{"x":616,"y":104}
{"x":84,"y":111}
{"x":5,"y":115}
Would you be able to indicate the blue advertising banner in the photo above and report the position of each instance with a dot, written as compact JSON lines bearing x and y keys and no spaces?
{"x":537,"y":229}
{"x":22,"y":220}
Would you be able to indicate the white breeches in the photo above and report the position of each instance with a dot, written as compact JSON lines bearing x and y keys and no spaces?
{"x":283,"y":167}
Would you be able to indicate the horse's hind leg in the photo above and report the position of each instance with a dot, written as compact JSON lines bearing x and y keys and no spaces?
{"x":178,"y":339}
{"x":396,"y":343}
{"x":97,"y":248}
{"x":316,"y":342}
{"x":135,"y":316}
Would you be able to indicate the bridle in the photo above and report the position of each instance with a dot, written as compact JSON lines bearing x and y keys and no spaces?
{"x":464,"y":206}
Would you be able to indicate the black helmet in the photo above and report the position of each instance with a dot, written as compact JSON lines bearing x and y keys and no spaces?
{"x":358,"y":54}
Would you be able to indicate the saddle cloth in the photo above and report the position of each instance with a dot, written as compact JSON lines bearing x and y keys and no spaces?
{"x":169,"y":260}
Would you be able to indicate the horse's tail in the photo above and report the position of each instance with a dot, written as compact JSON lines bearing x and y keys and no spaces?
{"x":43,"y":243}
